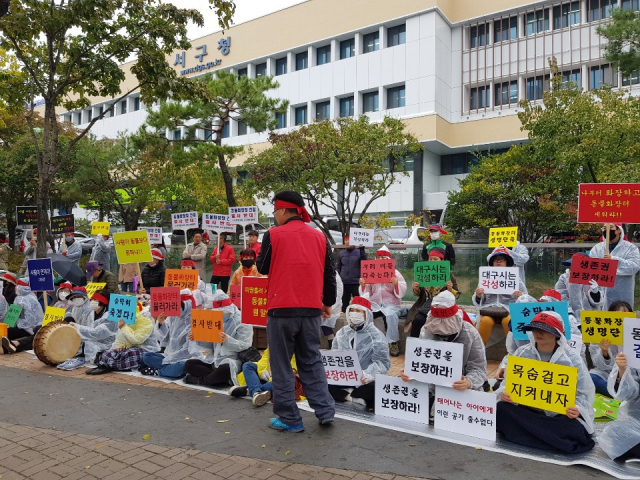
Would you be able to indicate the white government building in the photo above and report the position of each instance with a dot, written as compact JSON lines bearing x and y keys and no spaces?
{"x":452,"y":70}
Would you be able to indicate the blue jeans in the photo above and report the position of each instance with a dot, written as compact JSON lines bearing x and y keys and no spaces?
{"x":173,"y":370}
{"x":250,"y":370}
{"x":601,"y":385}
{"x":126,"y":286}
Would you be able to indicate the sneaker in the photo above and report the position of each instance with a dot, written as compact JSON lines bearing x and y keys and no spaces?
{"x":238,"y":391}
{"x":72,"y":364}
{"x":260,"y":398}
{"x":148,"y":371}
{"x":394,"y":350}
{"x":486,"y":387}
{"x":276,"y":424}
{"x":359,"y":401}
{"x":7,"y":346}
{"x":326,"y":421}
{"x":191,"y":380}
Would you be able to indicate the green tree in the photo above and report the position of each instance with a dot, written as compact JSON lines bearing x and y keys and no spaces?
{"x":342,"y":166}
{"x":623,"y":40}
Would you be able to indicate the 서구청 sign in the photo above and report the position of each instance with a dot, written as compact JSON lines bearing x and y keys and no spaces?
{"x":609,"y":203}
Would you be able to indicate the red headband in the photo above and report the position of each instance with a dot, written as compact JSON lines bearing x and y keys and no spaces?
{"x":79,"y":289}
{"x":186,"y":298}
{"x":301,"y":210}
{"x":362,"y":302}
{"x":436,"y":253}
{"x":222,"y":303}
{"x":383,"y":253}
{"x":20,"y":283}
{"x":100,"y":298}
{"x":188,"y":263}
{"x":444,"y":312}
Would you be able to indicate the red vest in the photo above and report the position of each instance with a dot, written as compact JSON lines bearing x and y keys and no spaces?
{"x":296,"y":273}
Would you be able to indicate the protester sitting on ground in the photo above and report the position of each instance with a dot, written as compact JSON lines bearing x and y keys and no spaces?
{"x":4,"y":307}
{"x":32,"y":314}
{"x":576,"y":332}
{"x":200,"y":294}
{"x":386,"y":300}
{"x":329,"y":324}
{"x":621,"y":438}
{"x":81,"y":311}
{"x":101,"y":253}
{"x":420,"y":309}
{"x":494,"y":308}
{"x":569,"y":433}
{"x":73,"y":250}
{"x":153,"y":273}
{"x":520,"y":256}
{"x":221,"y":364}
{"x":9,"y":288}
{"x":62,"y":294}
{"x":247,"y":266}
{"x":370,"y":344}
{"x":580,"y":297}
{"x":97,"y":274}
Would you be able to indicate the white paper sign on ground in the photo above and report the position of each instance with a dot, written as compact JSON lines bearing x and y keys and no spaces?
{"x":243,"y":215}
{"x":217,"y":223}
{"x":186,"y":220}
{"x":429,"y":361}
{"x":361,"y":236}
{"x":466,"y":412}
{"x":631,"y":342}
{"x":396,"y":398}
{"x":342,"y":367}
{"x":497,"y":280}
{"x":155,"y":234}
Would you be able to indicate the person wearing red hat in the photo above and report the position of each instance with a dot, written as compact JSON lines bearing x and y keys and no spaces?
{"x":568,"y":433}
{"x":223,"y":258}
{"x":435,"y":232}
{"x":247,"y":266}
{"x":62,"y":295}
{"x":153,"y":273}
{"x":9,"y":288}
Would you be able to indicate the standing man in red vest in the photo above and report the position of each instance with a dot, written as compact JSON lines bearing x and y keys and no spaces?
{"x":301,"y":288}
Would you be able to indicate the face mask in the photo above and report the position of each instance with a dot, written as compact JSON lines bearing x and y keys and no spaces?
{"x":356,"y":320}
{"x":68,"y":239}
{"x":63,"y":295}
{"x":226,"y":317}
{"x":153,"y":265}
{"x":247,"y":263}
{"x":95,"y":305}
{"x":435,"y":235}
{"x":78,"y":302}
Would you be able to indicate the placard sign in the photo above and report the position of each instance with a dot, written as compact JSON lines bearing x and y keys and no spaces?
{"x":499,"y":280}
{"x":432,"y":274}
{"x":122,"y":307}
{"x":26,"y":216}
{"x":523,"y":313}
{"x":396,"y":398}
{"x":342,"y":367}
{"x":40,"y":275}
{"x":182,"y":221}
{"x":505,"y":236}
{"x":217,"y":223}
{"x":543,"y":385}
{"x":206,"y":325}
{"x":465,"y":412}
{"x":361,"y":237}
{"x":609,"y":203}
{"x":631,"y":342}
{"x":254,"y":300}
{"x":243,"y":215}
{"x":584,"y":269}
{"x":62,"y":224}
{"x":100,"y":228}
{"x":429,"y":361}
{"x":599,"y":325}
{"x":93,"y":287}
{"x":11,"y":318}
{"x":132,"y":247}
{"x":53,"y":314}
{"x":165,"y":300}
{"x":175,"y":277}
{"x":155,"y":234}
{"x":235,"y":294}
{"x":378,"y":271}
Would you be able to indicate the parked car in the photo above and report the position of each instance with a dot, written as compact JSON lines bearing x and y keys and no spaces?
{"x":22,"y":241}
{"x":409,"y":237}
{"x":167,"y":238}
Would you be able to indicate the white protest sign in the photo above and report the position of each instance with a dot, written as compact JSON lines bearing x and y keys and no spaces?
{"x":499,"y":280}
{"x":466,"y":412}
{"x":155,"y":234}
{"x":342,"y":367}
{"x":217,"y":223}
{"x":396,"y":398}
{"x":243,"y":215}
{"x":181,"y":221}
{"x":575,"y":344}
{"x":361,"y":236}
{"x":429,"y":361}
{"x":631,"y":342}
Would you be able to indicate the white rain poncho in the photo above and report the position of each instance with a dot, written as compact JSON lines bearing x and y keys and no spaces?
{"x":83,"y":314}
{"x":97,"y":337}
{"x":386,"y":299}
{"x":4,"y":306}
{"x":512,"y":344}
{"x":369,"y":343}
{"x":32,"y":314}
{"x":578,"y":295}
{"x":101,"y":252}
{"x":74,"y":252}
{"x":337,"y":307}
{"x":602,"y":366}
{"x":520,"y":256}
{"x":628,"y":258}
{"x":200,"y":293}
{"x":174,"y":334}
{"x":141,"y":334}
{"x":586,"y":392}
{"x":622,"y":435}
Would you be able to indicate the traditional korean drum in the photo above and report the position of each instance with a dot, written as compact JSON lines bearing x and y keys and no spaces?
{"x":56,"y":342}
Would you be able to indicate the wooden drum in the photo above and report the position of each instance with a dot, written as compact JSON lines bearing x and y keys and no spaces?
{"x":56,"y":342}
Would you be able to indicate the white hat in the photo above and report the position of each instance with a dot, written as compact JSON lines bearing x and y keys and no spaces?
{"x":445,"y":317}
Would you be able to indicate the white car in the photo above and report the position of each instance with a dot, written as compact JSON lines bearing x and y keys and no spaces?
{"x":167,"y":238}
{"x":409,"y":237}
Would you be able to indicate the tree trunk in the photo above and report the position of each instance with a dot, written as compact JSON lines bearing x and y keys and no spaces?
{"x":11,"y":227}
{"x":228,"y":181}
{"x":42,"y":201}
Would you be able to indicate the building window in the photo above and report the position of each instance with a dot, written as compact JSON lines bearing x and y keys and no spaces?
{"x":395,"y":97}
{"x":123,"y":107}
{"x":177,"y":134}
{"x":461,"y":163}
{"x":601,"y":9}
{"x":323,"y":55}
{"x":477,"y":37}
{"x":371,"y":42}
{"x":301,"y":115}
{"x":281,"y":66}
{"x":536,"y":86}
{"x":242,"y":128}
{"x":281,"y":120}
{"x":78,"y":118}
{"x":505,"y":94}
{"x":242,"y":72}
{"x":208,"y":134}
{"x":537,"y":22}
{"x":397,"y":35}
{"x":347,"y":48}
{"x":631,"y":5}
{"x":603,"y":75}
{"x":302,"y":61}
{"x":572,"y":76}
{"x":226,"y":130}
{"x":479,"y":97}
{"x":100,"y":110}
{"x":89,"y":115}
{"x":136,"y":104}
{"x":323,"y":110}
{"x":566,"y":15}
{"x":370,"y":102}
{"x":632,"y":79}
{"x":261,"y":69}
{"x":505,"y":29}
{"x":347,"y":106}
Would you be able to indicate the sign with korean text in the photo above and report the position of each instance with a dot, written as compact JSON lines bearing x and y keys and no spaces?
{"x":243,"y":215}
{"x":122,"y":307}
{"x":361,"y":237}
{"x":523,"y":313}
{"x":206,"y":325}
{"x":396,"y":398}
{"x":499,"y":280}
{"x":600,"y":325}
{"x":432,"y":274}
{"x":609,"y":203}
{"x":155,"y":234}
{"x":26,"y":216}
{"x":93,"y":287}
{"x":543,"y":385}
{"x":429,"y":361}
{"x":132,"y":247}
{"x":235,"y":294}
{"x":378,"y":271}
{"x":11,"y":318}
{"x":465,"y":412}
{"x":342,"y":367}
{"x":100,"y":228}
{"x":217,"y":223}
{"x":223,"y":47}
{"x":631,"y":342}
{"x":40,"y":275}
{"x":175,"y":277}
{"x":53,"y":314}
{"x":186,"y":220}
{"x":584,"y":269}
{"x":62,"y":224}
{"x":505,"y":236}
{"x":165,"y":300}
{"x":254,"y":300}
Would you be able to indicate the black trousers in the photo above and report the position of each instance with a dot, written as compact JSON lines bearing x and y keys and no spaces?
{"x":207,"y":373}
{"x":417,"y":324}
{"x":348,"y":293}
{"x":366,"y":392}
{"x":24,"y":338}
{"x":223,"y":282}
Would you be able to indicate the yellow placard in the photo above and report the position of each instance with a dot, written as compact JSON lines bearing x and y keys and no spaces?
{"x":598,"y":325}
{"x":53,"y":314}
{"x":132,"y":247}
{"x":505,"y":236}
{"x":100,"y":228}
{"x":94,"y":287}
{"x":541,"y":385}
